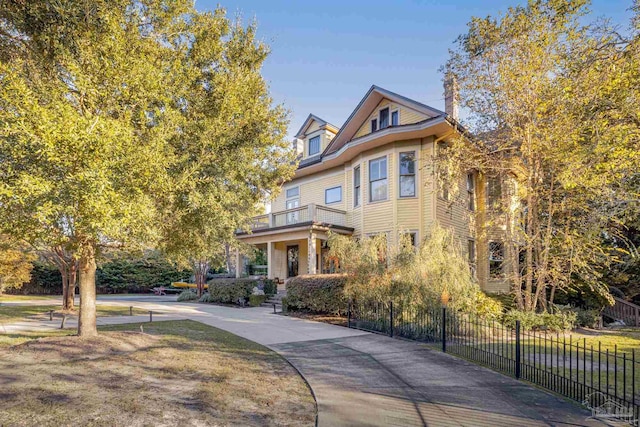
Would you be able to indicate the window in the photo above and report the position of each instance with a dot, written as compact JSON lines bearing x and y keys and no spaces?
{"x":412,"y":238}
{"x":293,"y":201}
{"x":471,"y":192}
{"x":384,"y":118}
{"x":314,"y":145}
{"x":333,"y":195}
{"x":408,"y":174}
{"x":395,"y":118}
{"x":378,"y":179}
{"x":374,"y":125}
{"x":494,"y":192}
{"x":293,"y":192}
{"x":496,"y":259}
{"x":356,"y":186}
{"x":471,"y":249}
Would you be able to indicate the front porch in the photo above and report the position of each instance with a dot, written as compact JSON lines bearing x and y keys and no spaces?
{"x":294,"y":240}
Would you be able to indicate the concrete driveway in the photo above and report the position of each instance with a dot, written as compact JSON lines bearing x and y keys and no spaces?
{"x":363,"y":379}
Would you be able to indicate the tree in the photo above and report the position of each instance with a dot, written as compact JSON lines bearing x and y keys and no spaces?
{"x":15,"y":265}
{"x":232,"y":147}
{"x":553,"y":105}
{"x":100,"y":133}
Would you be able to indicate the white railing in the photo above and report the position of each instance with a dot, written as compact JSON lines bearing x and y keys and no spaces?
{"x":300,"y":215}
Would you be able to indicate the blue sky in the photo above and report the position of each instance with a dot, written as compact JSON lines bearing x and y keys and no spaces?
{"x":326,"y":55}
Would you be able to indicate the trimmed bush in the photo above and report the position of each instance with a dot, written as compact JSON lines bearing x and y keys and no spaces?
{"x":230,"y":291}
{"x":270,"y":287}
{"x":561,"y":321}
{"x":187,"y":296}
{"x":317,"y":293}
{"x":588,"y":318}
{"x":256,"y":300}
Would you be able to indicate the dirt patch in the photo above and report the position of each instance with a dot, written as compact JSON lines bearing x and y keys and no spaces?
{"x":178,"y":373}
{"x":326,"y":318}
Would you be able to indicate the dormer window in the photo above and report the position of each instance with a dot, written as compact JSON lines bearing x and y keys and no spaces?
{"x":384,"y":118}
{"x":314,"y":145}
{"x":395,"y":118}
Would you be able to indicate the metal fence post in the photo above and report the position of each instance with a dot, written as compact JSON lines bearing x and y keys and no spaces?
{"x":150,"y":316}
{"x":349,"y":314}
{"x":391,"y":319}
{"x":517,"y":349}
{"x":444,"y":329}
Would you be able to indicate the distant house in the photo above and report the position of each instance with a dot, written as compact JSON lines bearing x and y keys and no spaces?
{"x":374,"y":175}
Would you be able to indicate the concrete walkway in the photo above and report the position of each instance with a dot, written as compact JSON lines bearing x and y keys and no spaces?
{"x":363,"y":379}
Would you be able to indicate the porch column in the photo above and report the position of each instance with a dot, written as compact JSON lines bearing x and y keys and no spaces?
{"x":311,"y":240}
{"x":238,"y":264}
{"x":270,"y":259}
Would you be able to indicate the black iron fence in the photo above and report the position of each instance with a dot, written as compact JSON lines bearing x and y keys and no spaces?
{"x":605,"y":380}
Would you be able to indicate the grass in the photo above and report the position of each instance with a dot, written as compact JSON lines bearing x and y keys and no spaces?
{"x":7,"y":297}
{"x":175,"y":373}
{"x":16,"y":313}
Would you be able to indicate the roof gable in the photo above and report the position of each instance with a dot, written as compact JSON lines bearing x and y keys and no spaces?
{"x":364,"y":109}
{"x":309,"y":121}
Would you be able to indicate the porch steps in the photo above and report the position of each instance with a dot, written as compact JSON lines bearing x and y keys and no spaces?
{"x":275,"y":299}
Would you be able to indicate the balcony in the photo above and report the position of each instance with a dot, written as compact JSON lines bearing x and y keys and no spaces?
{"x":303,"y":215}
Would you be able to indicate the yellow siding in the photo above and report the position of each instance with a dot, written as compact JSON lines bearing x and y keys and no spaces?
{"x":314,"y":126}
{"x":407,"y":116}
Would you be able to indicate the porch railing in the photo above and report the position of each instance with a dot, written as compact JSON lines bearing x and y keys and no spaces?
{"x":623,"y":310}
{"x":303,"y":214}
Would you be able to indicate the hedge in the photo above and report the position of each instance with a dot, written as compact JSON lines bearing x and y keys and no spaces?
{"x":256,"y":300}
{"x":317,"y":293}
{"x":229,"y":291}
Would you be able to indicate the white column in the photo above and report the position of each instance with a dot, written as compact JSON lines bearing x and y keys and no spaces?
{"x":270,"y":259}
{"x":238,"y":264}
{"x":311,"y":240}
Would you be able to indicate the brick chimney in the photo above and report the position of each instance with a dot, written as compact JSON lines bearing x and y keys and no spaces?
{"x":451,"y":96}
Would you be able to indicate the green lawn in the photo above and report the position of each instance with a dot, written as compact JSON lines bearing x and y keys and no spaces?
{"x":16,"y":313}
{"x":6,"y":297}
{"x":174,"y":373}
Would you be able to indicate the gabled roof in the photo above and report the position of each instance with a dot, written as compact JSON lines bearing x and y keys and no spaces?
{"x":310,"y":119}
{"x":372,"y":98}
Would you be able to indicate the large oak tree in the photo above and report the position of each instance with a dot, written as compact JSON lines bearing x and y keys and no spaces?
{"x":117,"y":117}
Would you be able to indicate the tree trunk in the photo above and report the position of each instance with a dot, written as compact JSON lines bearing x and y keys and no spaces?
{"x":201,"y":270}
{"x":65,"y":288}
{"x":87,"y":281}
{"x":71,"y":286}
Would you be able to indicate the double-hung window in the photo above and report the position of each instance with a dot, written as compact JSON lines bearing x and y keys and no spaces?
{"x":471,"y":192}
{"x":314,"y":145}
{"x":378,"y":179}
{"x":293,"y":201}
{"x":384,"y":118}
{"x":471,"y":251}
{"x":333,"y":195}
{"x":408,"y":174}
{"x":356,"y":186}
{"x":494,"y":193}
{"x":395,"y":118}
{"x":496,"y":260}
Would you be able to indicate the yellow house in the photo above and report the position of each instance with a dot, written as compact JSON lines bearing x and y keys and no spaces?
{"x":373,"y":175}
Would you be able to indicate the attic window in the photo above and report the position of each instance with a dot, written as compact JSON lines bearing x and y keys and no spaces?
{"x":395,"y":118}
{"x":384,"y":118}
{"x":374,"y":125}
{"x":314,"y":145}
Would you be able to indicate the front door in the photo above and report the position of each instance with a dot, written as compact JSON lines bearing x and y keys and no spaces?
{"x":293,"y":253}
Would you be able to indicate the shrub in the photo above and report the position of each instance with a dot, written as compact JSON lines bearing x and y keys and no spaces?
{"x":588,"y":318}
{"x":270,"y":287}
{"x":256,"y":300}
{"x":230,"y":291}
{"x":563,"y":320}
{"x":187,"y":295}
{"x":318,"y":293}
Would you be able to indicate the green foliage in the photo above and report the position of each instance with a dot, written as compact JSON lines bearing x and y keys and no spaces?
{"x":230,"y":291}
{"x":45,"y":280}
{"x":317,"y":293}
{"x":551,"y":100}
{"x":588,"y":318}
{"x":270,"y":287}
{"x":137,"y":274}
{"x":436,"y":271}
{"x":256,"y":300}
{"x":187,"y":295}
{"x":560,"y":321}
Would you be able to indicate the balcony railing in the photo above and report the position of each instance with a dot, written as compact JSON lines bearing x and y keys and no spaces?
{"x":300,"y":215}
